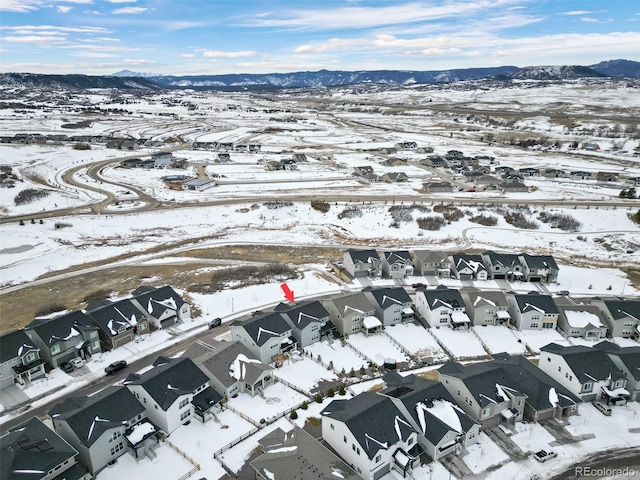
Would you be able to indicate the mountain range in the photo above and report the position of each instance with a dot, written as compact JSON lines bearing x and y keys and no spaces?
{"x":127,"y":79}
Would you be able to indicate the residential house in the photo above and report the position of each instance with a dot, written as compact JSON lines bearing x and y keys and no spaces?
{"x":62,"y":338}
{"x":406,"y":145}
{"x":296,"y":454}
{"x":393,"y":305}
{"x":488,"y":181}
{"x":231,"y":367}
{"x":443,"y":427}
{"x":266,"y":335}
{"x":592,"y":146}
{"x":554,"y":173}
{"x":20,"y":360}
{"x":170,"y":391}
{"x":621,"y":315}
{"x":371,"y":435}
{"x":579,"y":320}
{"x":97,"y":425}
{"x":162,"y":159}
{"x":396,"y":264}
{"x":580,"y":175}
{"x":529,"y":172}
{"x":588,"y":373}
{"x":468,"y":267}
{"x":506,"y":390}
{"x":502,"y":266}
{"x":256,"y":147}
{"x":437,"y":187}
{"x":33,"y":451}
{"x":362,"y":263}
{"x":485,"y":307}
{"x":442,"y":306}
{"x":513,"y":187}
{"x":606,"y":177}
{"x":309,"y":321}
{"x":224,"y":157}
{"x":437,"y":161}
{"x":161,"y":306}
{"x":199,"y":184}
{"x":627,"y":359}
{"x":504,"y":170}
{"x":539,"y":268}
{"x":289,"y":164}
{"x":395,"y":177}
{"x":509,"y":178}
{"x":119,"y":322}
{"x":299,"y":157}
{"x":432,"y":263}
{"x":131,"y":163}
{"x":532,"y":311}
{"x":348,"y":313}
{"x":363,"y":170}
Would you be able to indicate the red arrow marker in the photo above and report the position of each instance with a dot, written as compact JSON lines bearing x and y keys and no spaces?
{"x":287,"y":293}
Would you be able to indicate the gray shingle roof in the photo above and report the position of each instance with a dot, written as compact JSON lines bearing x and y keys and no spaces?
{"x":304,"y":313}
{"x":14,"y":344}
{"x":629,"y":356}
{"x":388,"y":296}
{"x":52,"y":330}
{"x":623,"y":308}
{"x":112,"y":317}
{"x":90,"y":417}
{"x":158,"y":298}
{"x":218,"y":361}
{"x":439,"y":297}
{"x":397,"y":256}
{"x":362,"y":255}
{"x":588,"y":364}
{"x":263,"y":327}
{"x":354,"y":302}
{"x":539,"y":261}
{"x":506,"y":260}
{"x":536,"y":301}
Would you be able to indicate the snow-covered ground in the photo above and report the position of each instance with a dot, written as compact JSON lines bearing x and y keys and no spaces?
{"x":377,"y":348}
{"x":417,"y":340}
{"x":343,"y":357}
{"x":484,"y":454}
{"x":304,"y":373}
{"x":536,"y":339}
{"x":277,"y":398}
{"x":461,"y":344}
{"x":499,"y":338}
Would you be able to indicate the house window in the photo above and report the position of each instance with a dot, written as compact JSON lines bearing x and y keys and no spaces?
{"x":183,"y":403}
{"x":485,"y":412}
{"x":548,"y":324}
{"x":185,"y":414}
{"x":344,"y":438}
{"x":332,"y":426}
{"x":534,"y":325}
{"x":115,"y":436}
{"x":378,"y":458}
{"x":410,"y":441}
{"x":31,"y":357}
{"x":96,"y":345}
{"x":117,"y":448}
{"x":559,"y":369}
{"x":55,"y":349}
{"x":619,"y":383}
{"x":93,"y":335}
{"x":587,"y":387}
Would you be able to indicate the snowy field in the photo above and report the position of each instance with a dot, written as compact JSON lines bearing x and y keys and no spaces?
{"x":484,"y":454}
{"x":343,"y":358}
{"x":536,"y":339}
{"x":499,"y":338}
{"x":304,"y":373}
{"x":417,"y":340}
{"x":377,"y":348}
{"x":277,"y":399}
{"x":461,"y":344}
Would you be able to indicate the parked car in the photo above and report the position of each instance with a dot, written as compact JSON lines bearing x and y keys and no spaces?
{"x":544,"y":455}
{"x":77,"y":362}
{"x":115,"y":367}
{"x":216,"y":322}
{"x":66,"y":367}
{"x":605,"y":409}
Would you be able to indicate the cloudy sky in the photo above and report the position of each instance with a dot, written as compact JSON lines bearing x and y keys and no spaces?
{"x":182,"y":37}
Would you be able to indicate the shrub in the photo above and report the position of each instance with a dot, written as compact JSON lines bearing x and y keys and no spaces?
{"x":101,"y":294}
{"x":293,"y":415}
{"x":29,"y":195}
{"x":320,"y":205}
{"x":331,"y":393}
{"x":248,"y":275}
{"x":304,"y":405}
{"x":342,"y":391}
{"x":432,"y":222}
{"x":451,"y":214}
{"x":277,"y":204}
{"x":82,"y":146}
{"x":519,"y":220}
{"x":50,"y":308}
{"x":318,"y":397}
{"x":484,"y":219}
{"x":350,"y":212}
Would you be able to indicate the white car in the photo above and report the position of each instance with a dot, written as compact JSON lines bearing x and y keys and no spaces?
{"x":544,"y":455}
{"x":77,"y":362}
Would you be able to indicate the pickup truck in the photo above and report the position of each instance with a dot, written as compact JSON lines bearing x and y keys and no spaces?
{"x":544,"y":455}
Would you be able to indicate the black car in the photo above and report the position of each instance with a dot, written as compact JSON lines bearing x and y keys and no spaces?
{"x":216,"y":322}
{"x":66,"y":367}
{"x":115,"y":367}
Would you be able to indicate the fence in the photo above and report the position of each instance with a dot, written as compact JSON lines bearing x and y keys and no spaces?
{"x":401,"y":347}
{"x":239,"y":413}
{"x":196,"y":466}
{"x":294,"y":387}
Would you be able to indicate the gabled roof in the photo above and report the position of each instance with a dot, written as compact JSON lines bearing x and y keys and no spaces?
{"x":620,"y":309}
{"x":506,"y":260}
{"x":159,"y":299}
{"x":169,"y":379}
{"x":539,"y":261}
{"x":372,"y":419}
{"x":52,"y":330}
{"x":471,"y":262}
{"x":442,"y":297}
{"x":588,"y":364}
{"x":629,"y":356}
{"x":15,"y":344}
{"x":217,"y":360}
{"x":90,"y":417}
{"x":582,"y":316}
{"x":389,"y":296}
{"x":430,"y":405}
{"x":397,"y":256}
{"x":431,"y":256}
{"x":356,"y":302}
{"x":116,"y":316}
{"x":30,"y":450}
{"x":535,"y":301}
{"x":363,"y":256}
{"x":263,"y":327}
{"x":489,"y":298}
{"x":304,"y":313}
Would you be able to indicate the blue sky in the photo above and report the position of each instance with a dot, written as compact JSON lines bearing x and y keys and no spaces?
{"x":189,"y":37}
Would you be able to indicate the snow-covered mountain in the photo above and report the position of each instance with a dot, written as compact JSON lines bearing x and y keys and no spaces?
{"x":129,"y":73}
{"x":555,"y":72}
{"x":75,"y":82}
{"x":618,"y":68}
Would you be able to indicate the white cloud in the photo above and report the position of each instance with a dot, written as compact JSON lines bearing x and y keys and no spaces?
{"x":188,"y":55}
{"x":138,"y":61}
{"x":63,"y":8}
{"x":54,"y":28}
{"x":122,"y":1}
{"x":38,"y":39}
{"x":577,"y":12}
{"x":220,"y":54}
{"x":20,"y":6}
{"x":129,"y":10}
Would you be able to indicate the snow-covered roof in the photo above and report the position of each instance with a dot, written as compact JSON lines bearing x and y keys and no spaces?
{"x":371,"y":322}
{"x":580,"y":319}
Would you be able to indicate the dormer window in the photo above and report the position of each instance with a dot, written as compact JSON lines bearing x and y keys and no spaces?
{"x":619,"y":383}
{"x":587,"y":387}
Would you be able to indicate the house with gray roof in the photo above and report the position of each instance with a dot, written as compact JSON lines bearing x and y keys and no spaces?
{"x":532,"y":311}
{"x":432,"y":263}
{"x":20,"y":360}
{"x":199,"y":184}
{"x":442,"y":306}
{"x":369,"y":433}
{"x":503,"y":266}
{"x":309,"y":321}
{"x":505,"y":390}
{"x":348,"y":313}
{"x":266,"y":335}
{"x":622,"y":315}
{"x":96,"y":426}
{"x":468,"y":267}
{"x":296,"y":454}
{"x":169,"y":391}
{"x":161,"y":306}
{"x":485,"y":307}
{"x":396,"y":264}
{"x":443,"y":427}
{"x":588,"y":373}
{"x":32,"y":451}
{"x":539,"y":268}
{"x":627,"y":359}
{"x":393,"y":304}
{"x":231,"y":367}
{"x":119,"y":322}
{"x":362,"y":263}
{"x":65,"y":337}
{"x":580,"y":320}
